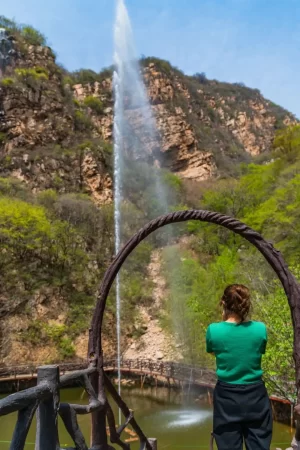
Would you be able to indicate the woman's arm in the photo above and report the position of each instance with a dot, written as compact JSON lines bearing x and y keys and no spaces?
{"x":209,"y":345}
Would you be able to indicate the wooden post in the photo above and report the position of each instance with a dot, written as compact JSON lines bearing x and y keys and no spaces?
{"x":99,"y":434}
{"x":46,"y":430}
{"x":153,"y":443}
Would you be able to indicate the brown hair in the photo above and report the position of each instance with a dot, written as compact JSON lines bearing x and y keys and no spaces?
{"x":236,"y":300}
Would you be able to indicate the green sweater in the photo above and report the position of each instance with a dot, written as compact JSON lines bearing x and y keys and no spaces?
{"x":238,"y":349}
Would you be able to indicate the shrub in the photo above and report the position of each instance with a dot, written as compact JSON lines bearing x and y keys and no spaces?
{"x":172,"y":180}
{"x":105,"y":73}
{"x":7,"y":23}
{"x":68,"y":80}
{"x":8,"y":81}
{"x":37,"y":73}
{"x":3,"y":137}
{"x":41,"y":71}
{"x":82,"y":121}
{"x":84,"y":76}
{"x":239,"y":84}
{"x":201,"y":77}
{"x":11,"y":186}
{"x":161,"y":64}
{"x":33,"y":36}
{"x":34,"y":333}
{"x":33,"y":77}
{"x":76,"y":103}
{"x":287,"y":143}
{"x":66,"y":348}
{"x":47,"y":198}
{"x":94,"y":103}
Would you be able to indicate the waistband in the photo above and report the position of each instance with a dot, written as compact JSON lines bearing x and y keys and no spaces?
{"x":242,"y":386}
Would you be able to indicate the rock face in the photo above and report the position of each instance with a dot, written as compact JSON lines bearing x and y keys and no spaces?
{"x":34,"y":108}
{"x":196,"y":123}
{"x":80,"y":170}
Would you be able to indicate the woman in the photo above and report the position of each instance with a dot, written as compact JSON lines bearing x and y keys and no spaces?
{"x":242,"y":410}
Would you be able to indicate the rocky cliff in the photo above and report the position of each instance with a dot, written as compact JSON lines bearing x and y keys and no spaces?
{"x":203,"y":125}
{"x":55,"y":154}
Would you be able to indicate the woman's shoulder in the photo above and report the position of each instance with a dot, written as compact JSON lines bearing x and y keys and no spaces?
{"x":260,"y":326}
{"x":214,"y":325}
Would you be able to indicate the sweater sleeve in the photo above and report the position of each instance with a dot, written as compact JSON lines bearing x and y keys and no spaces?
{"x":209,"y":346}
{"x":265,"y":340}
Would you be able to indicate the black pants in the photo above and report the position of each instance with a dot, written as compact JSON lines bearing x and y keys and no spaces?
{"x":242,"y":412}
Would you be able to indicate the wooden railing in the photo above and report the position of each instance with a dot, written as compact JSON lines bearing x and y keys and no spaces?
{"x":166,"y":369}
{"x":44,"y":399}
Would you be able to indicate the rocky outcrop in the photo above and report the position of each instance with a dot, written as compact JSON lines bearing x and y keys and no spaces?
{"x":253,"y":129}
{"x":34,"y":108}
{"x":97,"y":181}
{"x":77,"y":170}
{"x":180,"y":148}
{"x":194,"y":123}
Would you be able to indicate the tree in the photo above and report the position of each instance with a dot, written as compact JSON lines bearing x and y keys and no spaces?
{"x":33,"y":36}
{"x":278,"y":363}
{"x":201,"y":77}
{"x":287,"y":143}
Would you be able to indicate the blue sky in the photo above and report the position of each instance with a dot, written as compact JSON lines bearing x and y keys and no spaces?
{"x":252,"y":41}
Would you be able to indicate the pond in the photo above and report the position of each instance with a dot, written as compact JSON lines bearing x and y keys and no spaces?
{"x":175,"y":420}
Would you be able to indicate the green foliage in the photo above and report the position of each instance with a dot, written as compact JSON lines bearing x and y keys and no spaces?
{"x":68,"y":80}
{"x":8,"y":24}
{"x":33,"y":36}
{"x":7,"y":81}
{"x":82,"y":121}
{"x":94,"y":103}
{"x":76,"y":103}
{"x":287,"y":143}
{"x":12,"y":187}
{"x":23,"y":33}
{"x":188,"y":313}
{"x":39,"y":332}
{"x":136,"y":288}
{"x":172,"y":180}
{"x":141,"y":183}
{"x":201,"y":77}
{"x":85,"y":76}
{"x":37,"y":73}
{"x":3,"y":137}
{"x":57,"y":246}
{"x":47,"y":198}
{"x":160,"y":64}
{"x":266,"y":197}
{"x":33,"y":78}
{"x":66,"y":348}
{"x":106,"y":72}
{"x":278,"y":363}
{"x":33,"y":334}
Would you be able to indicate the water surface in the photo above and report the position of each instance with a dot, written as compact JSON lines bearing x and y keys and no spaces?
{"x":175,"y":420}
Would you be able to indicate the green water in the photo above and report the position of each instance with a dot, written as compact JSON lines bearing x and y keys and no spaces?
{"x":175,"y":420}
